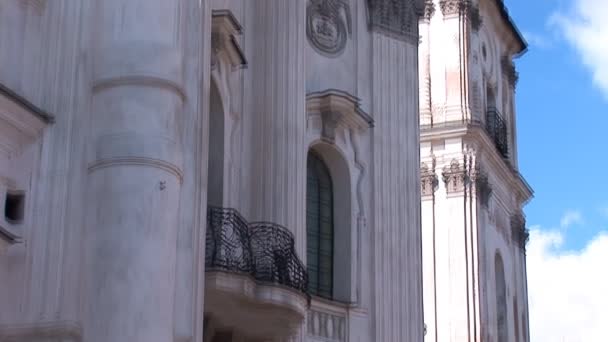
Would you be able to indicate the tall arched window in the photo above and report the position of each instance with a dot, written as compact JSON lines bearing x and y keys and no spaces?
{"x":319,"y":227}
{"x":501,"y":300}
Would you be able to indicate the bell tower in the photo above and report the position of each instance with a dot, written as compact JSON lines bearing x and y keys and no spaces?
{"x":473,"y":228}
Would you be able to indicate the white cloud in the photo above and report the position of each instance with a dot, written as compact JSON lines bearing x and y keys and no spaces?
{"x":568,"y":291}
{"x":586,"y":28}
{"x":537,"y":40}
{"x":571,"y":217}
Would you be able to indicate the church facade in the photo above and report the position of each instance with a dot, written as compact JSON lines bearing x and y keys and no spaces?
{"x":210,"y":170}
{"x":473,"y":228}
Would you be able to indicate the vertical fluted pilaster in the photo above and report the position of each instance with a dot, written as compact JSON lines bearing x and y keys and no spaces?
{"x":278,"y":95}
{"x":135,"y":170}
{"x":397,"y":244}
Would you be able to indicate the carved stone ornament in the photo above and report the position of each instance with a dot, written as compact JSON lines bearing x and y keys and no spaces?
{"x":328,"y":25}
{"x":483,"y":189}
{"x":519,"y":232}
{"x":455,"y":177}
{"x":474,"y":17}
{"x":429,"y":9}
{"x":453,"y":7}
{"x":396,"y":18}
{"x":428,"y":180}
{"x":509,"y":71}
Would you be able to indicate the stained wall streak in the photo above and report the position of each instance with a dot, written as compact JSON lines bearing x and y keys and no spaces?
{"x":397,"y":246}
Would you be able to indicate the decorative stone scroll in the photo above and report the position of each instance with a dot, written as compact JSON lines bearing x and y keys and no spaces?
{"x":428,"y":180}
{"x":328,"y":25}
{"x":455,"y":177}
{"x":509,"y":71}
{"x":519,"y":233}
{"x":429,"y":9}
{"x":397,"y":19}
{"x":327,"y":326}
{"x":483,"y":189}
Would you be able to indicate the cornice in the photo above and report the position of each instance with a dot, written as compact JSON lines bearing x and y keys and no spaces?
{"x":475,"y":132}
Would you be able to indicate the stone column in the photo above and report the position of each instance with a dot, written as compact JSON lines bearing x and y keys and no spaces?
{"x":135,"y":170}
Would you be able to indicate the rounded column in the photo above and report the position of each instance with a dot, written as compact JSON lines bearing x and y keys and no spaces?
{"x":135,"y":170}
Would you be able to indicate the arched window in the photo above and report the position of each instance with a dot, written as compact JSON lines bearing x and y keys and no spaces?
{"x":319,"y":227}
{"x":501,"y":300}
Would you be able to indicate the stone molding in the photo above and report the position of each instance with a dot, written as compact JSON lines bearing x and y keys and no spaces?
{"x":398,"y":19}
{"x":337,"y":108}
{"x":138,"y":161}
{"x":455,"y":177}
{"x":328,"y":26}
{"x":509,"y":71}
{"x":225,"y":27}
{"x":428,"y":180}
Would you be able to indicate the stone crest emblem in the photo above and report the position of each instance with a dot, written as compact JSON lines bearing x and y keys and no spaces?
{"x":328,"y":25}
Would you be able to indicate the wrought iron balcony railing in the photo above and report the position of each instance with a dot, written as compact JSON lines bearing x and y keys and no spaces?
{"x":263,"y":250}
{"x":496,"y":127}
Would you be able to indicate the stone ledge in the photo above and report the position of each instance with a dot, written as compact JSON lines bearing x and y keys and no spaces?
{"x":64,"y":330}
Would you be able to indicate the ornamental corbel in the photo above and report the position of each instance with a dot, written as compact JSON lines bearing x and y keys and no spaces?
{"x":509,"y":71}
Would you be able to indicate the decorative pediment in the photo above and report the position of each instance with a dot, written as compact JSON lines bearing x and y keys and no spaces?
{"x":337,"y":108}
{"x":224,"y":29}
{"x":397,"y":19}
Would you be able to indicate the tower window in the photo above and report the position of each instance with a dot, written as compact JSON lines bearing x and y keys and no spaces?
{"x":14,"y":207}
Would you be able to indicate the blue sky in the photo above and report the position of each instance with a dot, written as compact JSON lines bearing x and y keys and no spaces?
{"x":562,"y":124}
{"x":562,"y":109}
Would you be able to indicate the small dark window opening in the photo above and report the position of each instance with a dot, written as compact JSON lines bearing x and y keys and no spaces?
{"x":14,"y":207}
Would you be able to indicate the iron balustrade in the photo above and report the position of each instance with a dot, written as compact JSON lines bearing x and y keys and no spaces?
{"x":496,"y":126}
{"x":263,"y":250}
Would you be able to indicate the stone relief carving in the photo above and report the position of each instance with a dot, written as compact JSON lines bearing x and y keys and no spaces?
{"x":328,"y":25}
{"x":327,"y":326}
{"x":466,"y":8}
{"x":429,"y":9}
{"x":474,"y":17}
{"x":455,"y":177}
{"x":519,"y":233}
{"x":451,"y":7}
{"x":398,"y":19}
{"x":428,"y":180}
{"x":509,"y":71}
{"x":483,"y":189}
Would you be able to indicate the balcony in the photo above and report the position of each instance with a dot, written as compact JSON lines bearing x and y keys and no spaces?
{"x":496,"y":126}
{"x":255,"y":281}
